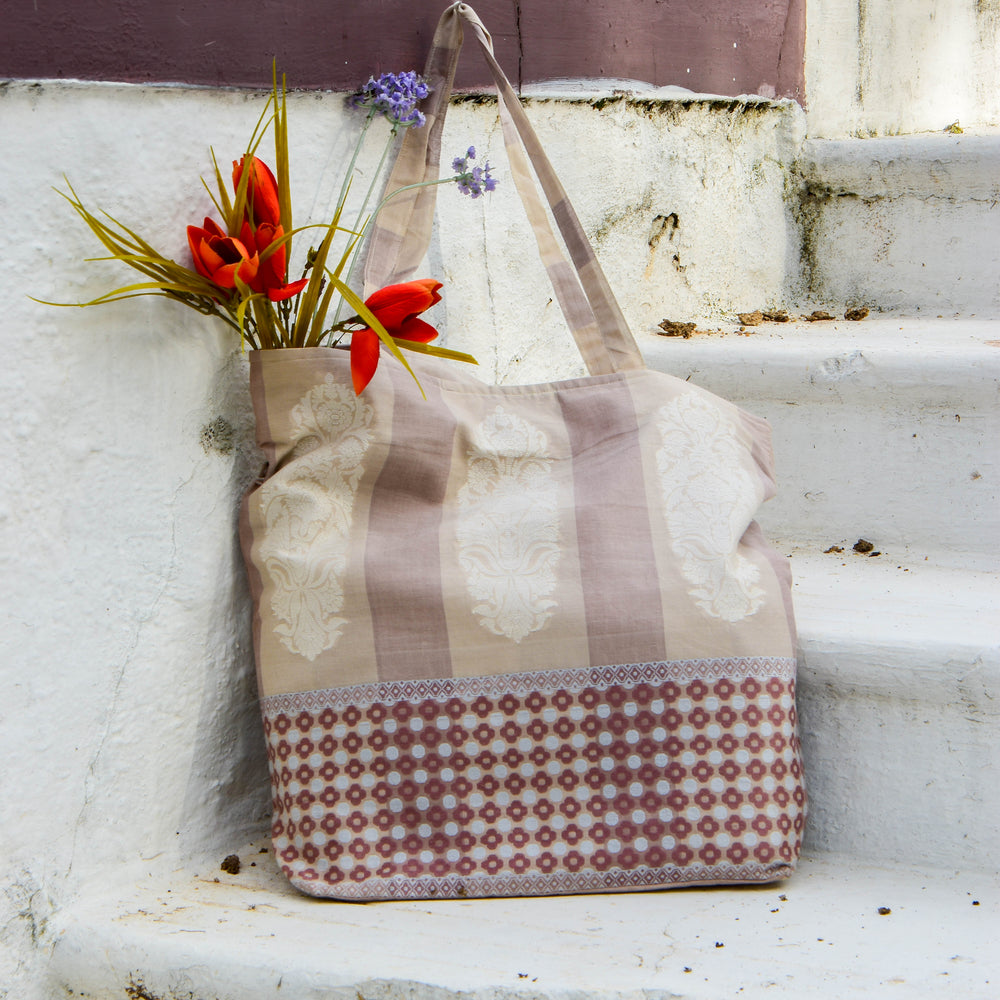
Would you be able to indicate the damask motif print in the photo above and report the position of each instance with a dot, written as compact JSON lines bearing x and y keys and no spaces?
{"x":308,"y":509}
{"x":508,"y":526}
{"x":709,"y":499}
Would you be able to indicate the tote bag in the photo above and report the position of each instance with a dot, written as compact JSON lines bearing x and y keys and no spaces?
{"x":516,"y":640}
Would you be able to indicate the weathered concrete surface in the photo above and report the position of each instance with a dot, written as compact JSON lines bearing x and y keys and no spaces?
{"x":899,"y":688}
{"x":838,"y":928}
{"x":686,"y":201}
{"x":907,"y":224}
{"x":127,"y":723}
{"x":881,"y":67}
{"x":870,"y":421}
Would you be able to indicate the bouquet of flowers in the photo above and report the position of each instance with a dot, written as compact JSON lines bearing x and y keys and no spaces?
{"x":240,"y":266}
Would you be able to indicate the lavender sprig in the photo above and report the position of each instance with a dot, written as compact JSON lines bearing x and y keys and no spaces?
{"x":474,"y":181}
{"x":394,"y":95}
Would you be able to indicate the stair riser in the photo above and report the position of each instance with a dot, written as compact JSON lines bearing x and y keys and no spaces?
{"x":894,"y":775}
{"x":906,"y":254}
{"x":908,"y":224}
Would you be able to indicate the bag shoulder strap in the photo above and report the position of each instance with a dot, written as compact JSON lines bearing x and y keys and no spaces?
{"x":401,"y":234}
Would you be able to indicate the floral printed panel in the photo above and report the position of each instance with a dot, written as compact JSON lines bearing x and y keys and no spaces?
{"x":628,"y":777}
{"x":709,"y":500}
{"x":507,"y":526}
{"x":307,"y":516}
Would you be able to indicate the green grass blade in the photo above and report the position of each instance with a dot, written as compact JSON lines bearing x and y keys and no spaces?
{"x":437,"y":352}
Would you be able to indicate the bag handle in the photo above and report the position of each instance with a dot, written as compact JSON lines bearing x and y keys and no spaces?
{"x":401,"y":233}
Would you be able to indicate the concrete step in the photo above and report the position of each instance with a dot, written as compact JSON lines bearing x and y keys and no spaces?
{"x":837,"y":928}
{"x":899,"y":700}
{"x":899,"y":688}
{"x":884,"y":429}
{"x":908,"y":223}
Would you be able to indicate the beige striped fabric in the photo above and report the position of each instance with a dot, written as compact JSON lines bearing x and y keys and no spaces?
{"x":518,"y":639}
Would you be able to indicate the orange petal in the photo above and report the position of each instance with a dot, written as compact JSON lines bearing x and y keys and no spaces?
{"x":214,"y":229}
{"x":395,"y":304}
{"x":364,"y":358}
{"x":286,"y":291}
{"x":210,"y":258}
{"x":262,"y":191}
{"x":416,"y":329}
{"x":195,"y":236}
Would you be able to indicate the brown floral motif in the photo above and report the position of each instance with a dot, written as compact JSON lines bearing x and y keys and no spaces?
{"x":640,"y":780}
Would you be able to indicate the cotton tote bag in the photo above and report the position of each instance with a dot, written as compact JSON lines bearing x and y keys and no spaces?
{"x":516,"y":640}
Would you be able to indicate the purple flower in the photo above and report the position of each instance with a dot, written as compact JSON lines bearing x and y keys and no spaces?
{"x":461,"y":163}
{"x":474,"y":181}
{"x":394,"y":95}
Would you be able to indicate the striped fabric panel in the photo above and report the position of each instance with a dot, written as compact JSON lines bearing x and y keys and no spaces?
{"x":620,"y":582}
{"x":400,"y":236}
{"x":402,"y":556}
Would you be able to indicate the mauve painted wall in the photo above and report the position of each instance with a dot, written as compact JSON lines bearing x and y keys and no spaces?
{"x":716,"y":46}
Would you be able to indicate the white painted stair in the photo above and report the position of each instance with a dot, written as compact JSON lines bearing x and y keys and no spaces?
{"x":899,"y":697}
{"x":839,"y":928}
{"x":885,"y":430}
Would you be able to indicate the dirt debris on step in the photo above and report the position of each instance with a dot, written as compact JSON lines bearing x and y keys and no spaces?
{"x":231,"y":864}
{"x":865,"y":548}
{"x":858,"y":314}
{"x":758,"y":316}
{"x":675,"y":328}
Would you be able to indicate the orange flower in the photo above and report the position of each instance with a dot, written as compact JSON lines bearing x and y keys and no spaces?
{"x":273,"y":270}
{"x":262,"y":227}
{"x":263,"y":205}
{"x":221,"y":258}
{"x":396,"y":307}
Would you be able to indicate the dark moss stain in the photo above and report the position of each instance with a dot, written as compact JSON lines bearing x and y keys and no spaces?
{"x":807,"y":207}
{"x":475,"y":100}
{"x":137,"y":990}
{"x":648,"y":106}
{"x":808,"y":201}
{"x":863,"y":43}
{"x":663,"y":225}
{"x":614,"y":219}
{"x":604,"y":102}
{"x":218,"y":436}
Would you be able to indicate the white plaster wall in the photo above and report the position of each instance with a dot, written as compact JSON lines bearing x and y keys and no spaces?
{"x":685,"y":201}
{"x":128,"y":722}
{"x":885,"y":67}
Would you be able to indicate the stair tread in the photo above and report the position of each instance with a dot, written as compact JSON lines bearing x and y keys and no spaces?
{"x":251,"y":936}
{"x":927,"y":351}
{"x":895,"y":603}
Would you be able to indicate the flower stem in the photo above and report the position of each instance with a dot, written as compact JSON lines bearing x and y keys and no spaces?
{"x":361,"y":212}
